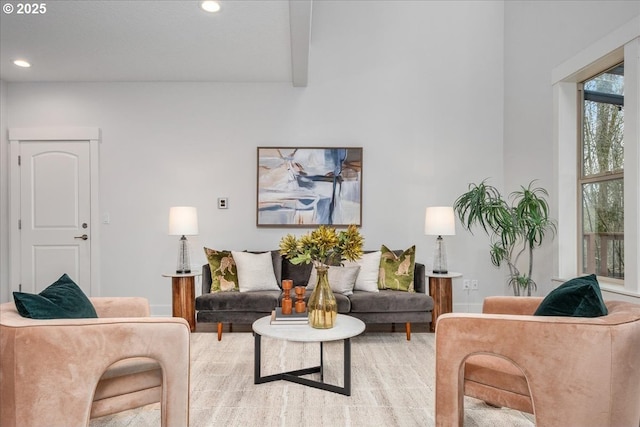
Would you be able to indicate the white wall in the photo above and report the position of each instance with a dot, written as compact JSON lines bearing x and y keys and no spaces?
{"x":540,"y":35}
{"x":4,"y":205}
{"x":418,"y":85}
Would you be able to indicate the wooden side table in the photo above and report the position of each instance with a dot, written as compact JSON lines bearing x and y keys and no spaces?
{"x":183,"y":296}
{"x":440,"y":289}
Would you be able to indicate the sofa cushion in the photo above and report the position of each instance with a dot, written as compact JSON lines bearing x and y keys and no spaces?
{"x":63,"y":299}
{"x":389,"y":301}
{"x":258,"y":301}
{"x":343,"y":301}
{"x":341,"y":279}
{"x":224,"y":274}
{"x":298,"y":273}
{"x":578,"y":297}
{"x":276,"y":259}
{"x":396,"y":271}
{"x":367,"y":279}
{"x":255,"y":271}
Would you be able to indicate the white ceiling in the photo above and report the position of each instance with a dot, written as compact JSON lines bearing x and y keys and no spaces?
{"x":162,"y":40}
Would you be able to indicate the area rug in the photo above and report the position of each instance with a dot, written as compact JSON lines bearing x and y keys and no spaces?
{"x":392,"y":384}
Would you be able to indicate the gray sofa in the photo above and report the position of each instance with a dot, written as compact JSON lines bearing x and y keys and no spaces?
{"x":385,"y":306}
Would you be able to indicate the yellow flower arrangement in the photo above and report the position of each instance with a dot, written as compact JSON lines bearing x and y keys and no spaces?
{"x":323,"y":246}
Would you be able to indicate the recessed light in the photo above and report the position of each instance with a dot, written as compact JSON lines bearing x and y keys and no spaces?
{"x":210,"y":6}
{"x":22,"y":63}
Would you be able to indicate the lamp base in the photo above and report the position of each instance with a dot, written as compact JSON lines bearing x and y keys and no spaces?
{"x":439,"y":257}
{"x":184,"y":263}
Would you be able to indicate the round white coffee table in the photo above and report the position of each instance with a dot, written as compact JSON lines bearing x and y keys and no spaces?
{"x":346,"y":327}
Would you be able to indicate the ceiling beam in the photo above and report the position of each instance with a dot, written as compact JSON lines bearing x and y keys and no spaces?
{"x":300,"y":23}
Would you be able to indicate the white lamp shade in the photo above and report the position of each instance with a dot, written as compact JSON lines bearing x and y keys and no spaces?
{"x":183,"y":221}
{"x":439,"y":221}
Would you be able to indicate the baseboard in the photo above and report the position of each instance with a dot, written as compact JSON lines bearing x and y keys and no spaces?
{"x":467,"y":307}
{"x":161,"y":310}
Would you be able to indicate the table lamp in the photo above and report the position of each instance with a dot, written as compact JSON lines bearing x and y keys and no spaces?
{"x":183,"y":221}
{"x":439,"y":221}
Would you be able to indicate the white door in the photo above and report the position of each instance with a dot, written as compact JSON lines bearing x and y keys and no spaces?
{"x":55,"y":213}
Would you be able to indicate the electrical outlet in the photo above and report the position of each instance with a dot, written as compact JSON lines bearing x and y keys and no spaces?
{"x":466,"y":284}
{"x":223,"y":203}
{"x":474,"y":284}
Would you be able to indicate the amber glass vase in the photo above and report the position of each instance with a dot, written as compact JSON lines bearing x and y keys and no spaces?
{"x":322,"y":305}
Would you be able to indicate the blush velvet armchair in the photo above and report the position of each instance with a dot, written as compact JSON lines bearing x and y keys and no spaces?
{"x":567,"y":371}
{"x":65,"y":372}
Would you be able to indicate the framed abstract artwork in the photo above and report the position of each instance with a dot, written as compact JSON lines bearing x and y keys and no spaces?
{"x":309,"y":186}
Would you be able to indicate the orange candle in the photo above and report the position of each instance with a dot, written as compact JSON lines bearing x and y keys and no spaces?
{"x":287,"y":303}
{"x":300,"y":304}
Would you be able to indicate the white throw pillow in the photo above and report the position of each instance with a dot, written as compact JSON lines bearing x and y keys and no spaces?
{"x":369,"y":270}
{"x":255,"y":272}
{"x":341,"y":279}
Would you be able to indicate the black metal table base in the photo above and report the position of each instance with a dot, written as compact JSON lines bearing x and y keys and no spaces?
{"x":295,"y":376}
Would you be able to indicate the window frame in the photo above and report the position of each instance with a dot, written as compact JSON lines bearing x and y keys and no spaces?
{"x":621,"y":45}
{"x":582,"y":179}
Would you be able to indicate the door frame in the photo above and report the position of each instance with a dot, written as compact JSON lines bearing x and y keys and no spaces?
{"x":53,"y":134}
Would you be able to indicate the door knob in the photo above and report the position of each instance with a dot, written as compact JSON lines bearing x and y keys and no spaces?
{"x":83,"y":237}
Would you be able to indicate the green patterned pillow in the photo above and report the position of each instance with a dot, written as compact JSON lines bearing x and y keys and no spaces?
{"x":396,"y":272}
{"x":224,"y":275}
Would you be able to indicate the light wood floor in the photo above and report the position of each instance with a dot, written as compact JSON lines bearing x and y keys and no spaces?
{"x":392,"y":384}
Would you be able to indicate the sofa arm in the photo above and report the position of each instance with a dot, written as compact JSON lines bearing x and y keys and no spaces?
{"x":511,"y":305}
{"x":419,"y":278}
{"x":550,"y":352}
{"x":54,"y":386}
{"x":120,"y":306}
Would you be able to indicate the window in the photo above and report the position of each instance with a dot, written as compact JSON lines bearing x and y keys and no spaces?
{"x":597,"y":167}
{"x":601,"y":178}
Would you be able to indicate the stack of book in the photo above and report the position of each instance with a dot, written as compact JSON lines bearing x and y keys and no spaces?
{"x":277,"y":318}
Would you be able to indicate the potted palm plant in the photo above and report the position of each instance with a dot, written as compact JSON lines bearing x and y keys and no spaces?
{"x":515,"y":228}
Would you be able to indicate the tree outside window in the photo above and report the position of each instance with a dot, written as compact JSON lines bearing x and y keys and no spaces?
{"x":602,"y":174}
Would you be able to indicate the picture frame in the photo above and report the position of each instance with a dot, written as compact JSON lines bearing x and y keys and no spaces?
{"x":309,"y":186}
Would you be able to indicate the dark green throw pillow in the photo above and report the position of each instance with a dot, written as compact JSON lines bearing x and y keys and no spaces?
{"x":579,"y":297}
{"x":61,"y":300}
